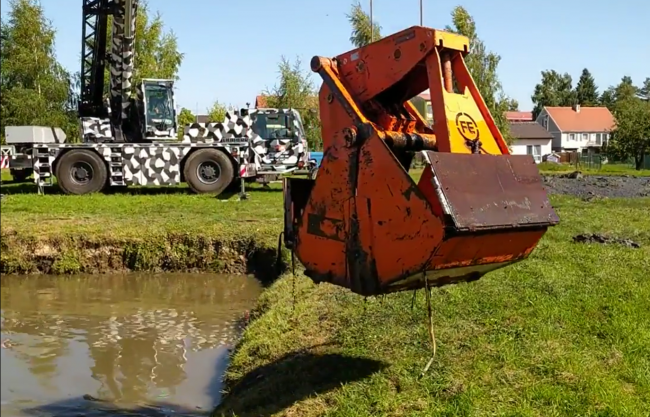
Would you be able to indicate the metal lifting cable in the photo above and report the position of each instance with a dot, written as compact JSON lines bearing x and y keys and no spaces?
{"x":432,"y":335}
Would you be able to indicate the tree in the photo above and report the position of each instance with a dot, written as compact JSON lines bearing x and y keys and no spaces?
{"x":297,"y":90}
{"x":555,"y":89}
{"x":623,"y":91}
{"x":217,"y":113}
{"x":483,"y":65}
{"x":644,"y":91}
{"x":513,"y":105}
{"x":156,"y":51}
{"x":35,"y":87}
{"x":608,"y":98}
{"x":185,"y":117}
{"x":586,"y":91}
{"x":631,"y":136}
{"x":363,"y":31}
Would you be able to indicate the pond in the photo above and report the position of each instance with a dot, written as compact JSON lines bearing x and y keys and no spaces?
{"x":119,"y":344}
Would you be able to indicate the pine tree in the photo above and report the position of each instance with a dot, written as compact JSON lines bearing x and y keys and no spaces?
{"x":586,"y":90}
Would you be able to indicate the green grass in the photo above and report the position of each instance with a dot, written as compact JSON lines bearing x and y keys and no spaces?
{"x":138,"y":211}
{"x":565,"y":333}
{"x":606,"y":169}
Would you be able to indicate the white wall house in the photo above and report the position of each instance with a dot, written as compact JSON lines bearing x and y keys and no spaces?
{"x":530,"y":138}
{"x":582,"y":129}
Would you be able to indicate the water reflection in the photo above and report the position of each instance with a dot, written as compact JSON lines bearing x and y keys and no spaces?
{"x":120,"y":339}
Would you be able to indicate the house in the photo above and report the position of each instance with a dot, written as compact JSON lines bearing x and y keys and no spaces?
{"x":202,"y":118}
{"x":530,"y":138}
{"x":260,"y":102}
{"x":422,"y":104}
{"x":519,"y":116}
{"x":581,"y":129}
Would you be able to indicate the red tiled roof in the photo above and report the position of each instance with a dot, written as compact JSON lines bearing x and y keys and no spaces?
{"x":519,"y":116}
{"x":587,"y":119}
{"x":528,"y":130}
{"x":260,"y":102}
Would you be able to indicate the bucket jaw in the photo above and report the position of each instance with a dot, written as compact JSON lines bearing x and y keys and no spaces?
{"x":494,"y":211}
{"x":364,"y":223}
{"x":467,"y":215}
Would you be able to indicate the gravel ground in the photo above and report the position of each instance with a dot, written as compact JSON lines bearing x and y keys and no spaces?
{"x":598,"y":186}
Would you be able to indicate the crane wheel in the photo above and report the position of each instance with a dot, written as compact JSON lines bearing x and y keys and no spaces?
{"x":208,"y":171}
{"x":81,"y":171}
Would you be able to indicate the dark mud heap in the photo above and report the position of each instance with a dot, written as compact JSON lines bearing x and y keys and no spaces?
{"x":599,"y":186}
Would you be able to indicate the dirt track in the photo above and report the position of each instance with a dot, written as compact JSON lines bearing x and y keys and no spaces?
{"x":598,"y":186}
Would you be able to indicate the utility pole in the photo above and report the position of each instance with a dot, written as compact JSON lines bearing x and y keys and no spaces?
{"x":372,"y":25}
{"x":421,"y":13}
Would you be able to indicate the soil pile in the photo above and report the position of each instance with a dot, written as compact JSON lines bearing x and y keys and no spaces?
{"x":605,"y":240}
{"x":597,"y":186}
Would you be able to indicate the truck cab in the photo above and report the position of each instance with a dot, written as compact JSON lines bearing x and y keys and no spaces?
{"x":284,"y":142}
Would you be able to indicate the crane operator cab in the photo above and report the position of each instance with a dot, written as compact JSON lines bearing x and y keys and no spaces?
{"x":159,"y":109}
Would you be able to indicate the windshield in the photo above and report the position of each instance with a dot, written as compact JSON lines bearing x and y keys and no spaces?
{"x":160,"y":106}
{"x":275,"y":126}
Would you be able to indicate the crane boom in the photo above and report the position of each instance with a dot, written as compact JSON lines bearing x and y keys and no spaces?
{"x":122,"y":56}
{"x":93,"y":58}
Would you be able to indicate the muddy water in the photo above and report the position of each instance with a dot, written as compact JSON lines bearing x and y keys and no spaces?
{"x":151,"y":345}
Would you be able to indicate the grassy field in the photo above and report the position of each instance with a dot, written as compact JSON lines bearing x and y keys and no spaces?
{"x":137,"y":211}
{"x":566,"y":333}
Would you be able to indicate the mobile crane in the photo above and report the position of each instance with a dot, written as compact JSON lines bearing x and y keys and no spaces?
{"x":364,"y":223}
{"x":131,"y":137}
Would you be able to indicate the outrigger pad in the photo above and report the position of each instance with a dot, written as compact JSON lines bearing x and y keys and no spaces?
{"x":487,"y":192}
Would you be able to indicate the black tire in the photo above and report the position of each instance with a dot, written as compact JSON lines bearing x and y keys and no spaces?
{"x":313,"y":174}
{"x":21,"y":175}
{"x":81,"y":171}
{"x":208,"y":171}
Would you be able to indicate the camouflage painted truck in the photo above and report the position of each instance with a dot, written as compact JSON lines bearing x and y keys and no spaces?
{"x":131,"y":137}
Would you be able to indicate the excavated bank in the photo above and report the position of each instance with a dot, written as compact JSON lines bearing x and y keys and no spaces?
{"x":165,"y":252}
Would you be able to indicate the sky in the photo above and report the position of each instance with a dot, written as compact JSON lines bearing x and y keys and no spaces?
{"x":232,"y":48}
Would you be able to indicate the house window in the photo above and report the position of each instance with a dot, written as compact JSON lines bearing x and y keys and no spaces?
{"x":599,"y":139}
{"x":535,"y":151}
{"x":585,"y":137}
{"x":572,"y":136}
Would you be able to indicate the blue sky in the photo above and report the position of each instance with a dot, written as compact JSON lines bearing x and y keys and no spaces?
{"x":232,"y":48}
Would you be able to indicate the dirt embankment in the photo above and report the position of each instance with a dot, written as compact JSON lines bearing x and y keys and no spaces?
{"x":597,"y":186}
{"x":164,"y":253}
